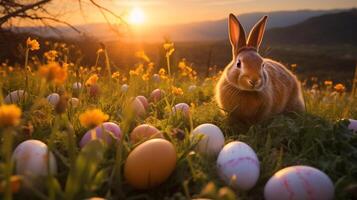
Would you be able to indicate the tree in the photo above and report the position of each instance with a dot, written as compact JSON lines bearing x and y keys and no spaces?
{"x":38,"y":11}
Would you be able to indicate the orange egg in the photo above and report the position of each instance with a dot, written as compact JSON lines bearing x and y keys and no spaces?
{"x":150,"y":164}
{"x":143,"y":132}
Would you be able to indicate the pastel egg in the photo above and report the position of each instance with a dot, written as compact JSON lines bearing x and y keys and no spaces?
{"x":157,"y":95}
{"x":238,"y":165}
{"x":299,"y":182}
{"x":31,"y":159}
{"x":150,"y":164}
{"x":143,"y":101}
{"x":53,"y":99}
{"x":97,"y":133}
{"x":15,"y":96}
{"x":212,"y":141}
{"x":353,"y":125}
{"x":124,"y":88}
{"x":181,"y":108}
{"x":192,"y":88}
{"x":94,"y":90}
{"x":144,"y":132}
{"x":137,"y":107}
{"x":74,"y":102}
{"x":77,"y":86}
{"x":156,"y":78}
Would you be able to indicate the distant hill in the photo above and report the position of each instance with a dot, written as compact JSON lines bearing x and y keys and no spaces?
{"x":199,"y":31}
{"x":329,"y":29}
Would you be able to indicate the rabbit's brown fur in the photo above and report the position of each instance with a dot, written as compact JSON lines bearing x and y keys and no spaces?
{"x":253,"y":88}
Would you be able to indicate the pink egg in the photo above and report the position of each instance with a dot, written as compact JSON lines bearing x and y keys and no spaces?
{"x":143,"y":101}
{"x":157,"y":95}
{"x":181,"y":108}
{"x":137,"y":107}
{"x":299,"y":182}
{"x":353,"y":125}
{"x":97,"y":133}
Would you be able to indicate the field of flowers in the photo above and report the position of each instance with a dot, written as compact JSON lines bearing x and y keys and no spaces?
{"x":57,"y":101}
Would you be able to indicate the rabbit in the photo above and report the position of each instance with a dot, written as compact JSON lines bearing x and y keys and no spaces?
{"x":252,"y":88}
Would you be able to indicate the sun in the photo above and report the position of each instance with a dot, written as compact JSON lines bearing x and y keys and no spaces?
{"x":136,"y":16}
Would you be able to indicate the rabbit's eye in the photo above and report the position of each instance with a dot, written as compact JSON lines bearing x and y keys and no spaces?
{"x":238,"y":64}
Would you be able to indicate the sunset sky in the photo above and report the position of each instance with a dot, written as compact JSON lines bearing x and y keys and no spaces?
{"x":158,"y":12}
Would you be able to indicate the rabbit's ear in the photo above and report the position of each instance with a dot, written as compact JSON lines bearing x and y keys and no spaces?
{"x":256,"y":34}
{"x":236,"y":33}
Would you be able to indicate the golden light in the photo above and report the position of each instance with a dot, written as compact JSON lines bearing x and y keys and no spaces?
{"x":136,"y":16}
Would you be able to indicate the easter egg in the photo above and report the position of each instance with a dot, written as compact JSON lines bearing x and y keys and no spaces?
{"x":144,"y":132}
{"x":97,"y":133}
{"x":15,"y":96}
{"x":94,"y":90}
{"x":238,"y":165}
{"x":137,"y":107}
{"x":31,"y":159}
{"x":143,"y":101}
{"x":156,"y":78}
{"x":77,"y":86}
{"x":299,"y":182}
{"x":124,"y":88}
{"x":157,"y":95}
{"x":53,"y":99}
{"x":150,"y":164}
{"x":353,"y":125}
{"x":192,"y":88}
{"x":181,"y":108}
{"x":212,"y":141}
{"x":74,"y":102}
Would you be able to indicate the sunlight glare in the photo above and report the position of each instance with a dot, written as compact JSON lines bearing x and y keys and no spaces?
{"x":136,"y":16}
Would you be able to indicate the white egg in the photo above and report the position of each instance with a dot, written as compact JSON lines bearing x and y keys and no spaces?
{"x":124,"y":88}
{"x":299,"y":182}
{"x":53,"y":98}
{"x":15,"y":96}
{"x":353,"y":125}
{"x":212,"y":140}
{"x":192,"y":88}
{"x":77,"y":86}
{"x":156,"y":78}
{"x":31,"y":159}
{"x":74,"y":102}
{"x":238,"y":165}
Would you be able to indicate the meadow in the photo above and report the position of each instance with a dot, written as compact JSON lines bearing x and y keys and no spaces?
{"x":318,"y":138}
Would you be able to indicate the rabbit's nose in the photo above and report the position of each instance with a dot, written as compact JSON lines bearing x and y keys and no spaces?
{"x":254,"y":82}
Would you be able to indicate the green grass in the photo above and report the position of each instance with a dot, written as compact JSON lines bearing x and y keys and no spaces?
{"x":318,"y":138}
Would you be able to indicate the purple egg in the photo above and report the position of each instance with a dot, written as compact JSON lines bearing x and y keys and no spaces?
{"x":97,"y":133}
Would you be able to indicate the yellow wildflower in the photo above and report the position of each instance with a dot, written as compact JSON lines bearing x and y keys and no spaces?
{"x":9,"y":115}
{"x":168,"y":45}
{"x":100,"y":51}
{"x":176,"y":90}
{"x":32,"y":44}
{"x":142,"y":55}
{"x":51,"y":55}
{"x":145,"y":77}
{"x":328,"y":83}
{"x":92,"y":117}
{"x":92,"y":80}
{"x":339,"y":88}
{"x":54,"y":72}
{"x":116,"y":75}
